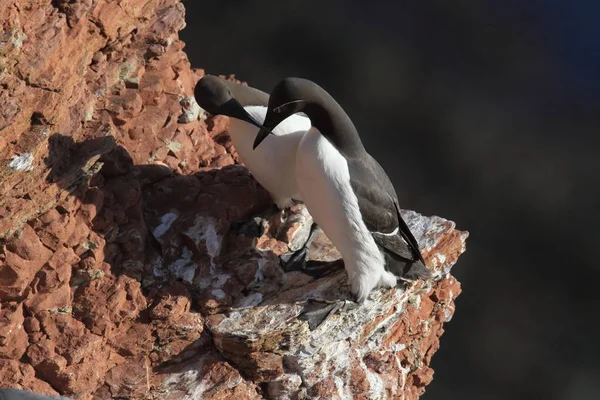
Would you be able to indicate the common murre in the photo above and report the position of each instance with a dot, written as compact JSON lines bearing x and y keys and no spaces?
{"x":346,"y":190}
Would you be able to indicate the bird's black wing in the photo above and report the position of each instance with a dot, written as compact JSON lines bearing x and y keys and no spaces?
{"x":375,"y":194}
{"x":395,"y":244}
{"x":378,"y":205}
{"x":408,"y":236}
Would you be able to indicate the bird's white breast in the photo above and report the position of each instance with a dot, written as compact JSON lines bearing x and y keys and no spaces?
{"x":324,"y":182}
{"x":273,"y":163}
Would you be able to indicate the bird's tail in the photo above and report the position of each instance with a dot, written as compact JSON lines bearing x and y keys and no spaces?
{"x":409,"y":270}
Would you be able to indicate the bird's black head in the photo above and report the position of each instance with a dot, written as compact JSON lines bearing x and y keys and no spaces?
{"x":290,"y":96}
{"x":211,"y":94}
{"x":294,"y":95}
{"x":214,"y":96}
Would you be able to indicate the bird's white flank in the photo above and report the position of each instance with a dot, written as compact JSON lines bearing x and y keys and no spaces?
{"x":324,"y":180}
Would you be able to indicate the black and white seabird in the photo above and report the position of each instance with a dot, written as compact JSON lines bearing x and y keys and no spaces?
{"x":346,"y":190}
{"x":274,"y":165}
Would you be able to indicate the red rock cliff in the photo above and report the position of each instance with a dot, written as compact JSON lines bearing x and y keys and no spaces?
{"x":120,"y":273}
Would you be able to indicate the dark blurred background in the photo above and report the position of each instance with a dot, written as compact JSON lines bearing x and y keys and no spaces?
{"x":483,"y":112}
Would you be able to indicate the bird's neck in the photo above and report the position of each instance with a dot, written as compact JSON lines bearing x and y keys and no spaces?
{"x":246,"y":95}
{"x":337,"y":127}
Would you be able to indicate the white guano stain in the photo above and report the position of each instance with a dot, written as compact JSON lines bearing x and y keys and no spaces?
{"x":165,"y":224}
{"x":259,"y":276}
{"x":204,"y":229}
{"x":190,"y":110}
{"x":22,"y":162}
{"x":219,"y":294}
{"x":18,"y":39}
{"x":184,"y":268}
{"x":215,"y":281}
{"x":376,"y":385}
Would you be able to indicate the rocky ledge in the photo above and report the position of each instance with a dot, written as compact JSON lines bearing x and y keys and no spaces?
{"x":122,"y":269}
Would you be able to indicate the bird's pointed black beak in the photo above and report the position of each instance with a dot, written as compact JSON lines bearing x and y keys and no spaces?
{"x":275,"y":116}
{"x":262,"y":135}
{"x":234,"y":109}
{"x":271,"y":121}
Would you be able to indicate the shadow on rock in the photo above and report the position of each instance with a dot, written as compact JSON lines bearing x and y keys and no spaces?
{"x":132,"y":256}
{"x":141,"y":257}
{"x":141,"y":279}
{"x":147,"y":222}
{"x":141,"y":275}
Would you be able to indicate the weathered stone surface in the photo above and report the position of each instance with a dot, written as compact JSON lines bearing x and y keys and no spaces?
{"x":19,"y":375}
{"x":13,"y":338}
{"x":87,"y":70}
{"x":122,"y":269}
{"x":130,"y":379}
{"x":317,"y":332}
{"x":207,"y":377}
{"x":24,"y":255}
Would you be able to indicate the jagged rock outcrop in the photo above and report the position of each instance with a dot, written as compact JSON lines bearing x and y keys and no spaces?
{"x":122,"y":271}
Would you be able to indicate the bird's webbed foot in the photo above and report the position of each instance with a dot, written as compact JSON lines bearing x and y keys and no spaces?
{"x":255,"y":226}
